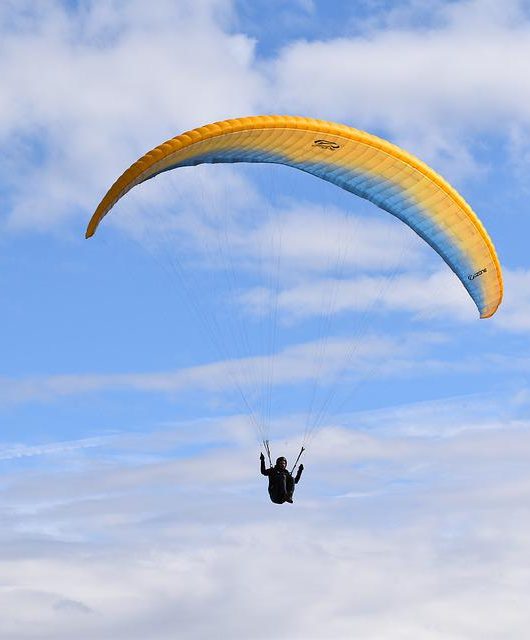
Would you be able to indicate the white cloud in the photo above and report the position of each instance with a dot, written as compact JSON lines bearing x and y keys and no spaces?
{"x":308,"y":237}
{"x":430,"y":89}
{"x":329,"y":360}
{"x":297,"y":363}
{"x":200,"y":220}
{"x":143,"y":549}
{"x":301,"y":259}
{"x":88,"y":90}
{"x":11,"y":452}
{"x":426,"y":296}
{"x":98,"y":85}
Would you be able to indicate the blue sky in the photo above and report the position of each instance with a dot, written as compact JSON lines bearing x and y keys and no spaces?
{"x":131,"y":502}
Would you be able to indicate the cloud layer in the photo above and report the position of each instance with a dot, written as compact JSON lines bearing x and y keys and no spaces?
{"x":412,"y":533}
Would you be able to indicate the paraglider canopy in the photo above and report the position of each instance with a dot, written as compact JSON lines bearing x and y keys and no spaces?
{"x":354,"y":160}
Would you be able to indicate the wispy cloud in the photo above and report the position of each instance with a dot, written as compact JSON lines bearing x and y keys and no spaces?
{"x":294,"y":364}
{"x":424,"y":295}
{"x":332,"y":362}
{"x":12,"y":452}
{"x":203,"y":216}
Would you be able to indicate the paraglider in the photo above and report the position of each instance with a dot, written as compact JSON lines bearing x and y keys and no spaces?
{"x":281,"y":480}
{"x":356,"y":161}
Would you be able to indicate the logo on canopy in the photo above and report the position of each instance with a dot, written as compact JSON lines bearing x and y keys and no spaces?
{"x":326,"y":144}
{"x":478,"y":273}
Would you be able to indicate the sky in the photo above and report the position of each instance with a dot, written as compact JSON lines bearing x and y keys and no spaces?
{"x":221,"y":304}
